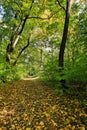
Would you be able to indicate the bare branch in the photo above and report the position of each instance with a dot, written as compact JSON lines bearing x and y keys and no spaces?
{"x":61,"y":5}
{"x":26,"y":17}
{"x":37,"y":17}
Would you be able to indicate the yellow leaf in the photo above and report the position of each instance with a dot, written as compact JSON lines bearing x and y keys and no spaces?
{"x":28,"y":128}
{"x":47,"y":115}
{"x":73,"y":127}
{"x":38,"y":128}
{"x":82,"y":128}
{"x":68,"y":121}
{"x":42,"y":123}
{"x":55,"y":124}
{"x":54,"y":107}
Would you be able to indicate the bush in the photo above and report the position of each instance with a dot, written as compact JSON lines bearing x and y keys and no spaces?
{"x":78,"y":72}
{"x":52,"y":76}
{"x":50,"y":73}
{"x":8,"y":73}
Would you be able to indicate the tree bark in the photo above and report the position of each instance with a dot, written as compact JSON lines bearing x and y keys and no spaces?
{"x":64,"y":39}
{"x":65,"y":33}
{"x":13,"y":42}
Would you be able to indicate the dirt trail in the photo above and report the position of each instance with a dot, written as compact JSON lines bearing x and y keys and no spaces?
{"x":31,"y":105}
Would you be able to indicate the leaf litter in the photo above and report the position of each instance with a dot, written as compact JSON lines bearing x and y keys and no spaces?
{"x":31,"y":105}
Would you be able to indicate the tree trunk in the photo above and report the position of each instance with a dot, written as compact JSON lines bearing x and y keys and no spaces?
{"x":41,"y":56}
{"x":16,"y":36}
{"x":13,"y":42}
{"x":64,"y":39}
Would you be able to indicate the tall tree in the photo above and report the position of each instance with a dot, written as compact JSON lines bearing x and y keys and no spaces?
{"x":65,"y":33}
{"x":64,"y":36}
{"x":18,"y":30}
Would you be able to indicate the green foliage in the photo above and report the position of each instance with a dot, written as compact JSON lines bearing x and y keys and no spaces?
{"x":78,"y":71}
{"x":49,"y":72}
{"x":59,"y":89}
{"x":8,"y":73}
{"x":52,"y":76}
{"x":52,"y":26}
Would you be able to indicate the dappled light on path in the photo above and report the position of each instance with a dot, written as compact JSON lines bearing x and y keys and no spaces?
{"x":31,"y":78}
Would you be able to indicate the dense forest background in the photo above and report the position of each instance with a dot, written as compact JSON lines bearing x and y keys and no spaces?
{"x":45,"y":38}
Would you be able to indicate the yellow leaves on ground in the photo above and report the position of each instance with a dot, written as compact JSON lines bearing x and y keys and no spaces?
{"x":40,"y":126}
{"x":82,"y":128}
{"x":41,"y":123}
{"x":3,"y":128}
{"x":54,"y":124}
{"x":54,"y":107}
{"x":28,"y":128}
{"x":29,"y":105}
{"x":70,"y":127}
{"x":47,"y":115}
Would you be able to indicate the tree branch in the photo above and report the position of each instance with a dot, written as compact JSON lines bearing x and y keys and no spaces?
{"x":22,"y":51}
{"x":37,"y":17}
{"x":15,"y":38}
{"x":26,"y":17}
{"x":61,"y":5}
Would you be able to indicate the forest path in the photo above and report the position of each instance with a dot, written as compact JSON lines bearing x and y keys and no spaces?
{"x":31,"y":105}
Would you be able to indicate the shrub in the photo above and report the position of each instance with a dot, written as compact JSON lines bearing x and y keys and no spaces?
{"x":8,"y":73}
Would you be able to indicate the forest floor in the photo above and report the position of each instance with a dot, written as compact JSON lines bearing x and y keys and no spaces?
{"x":31,"y":105}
